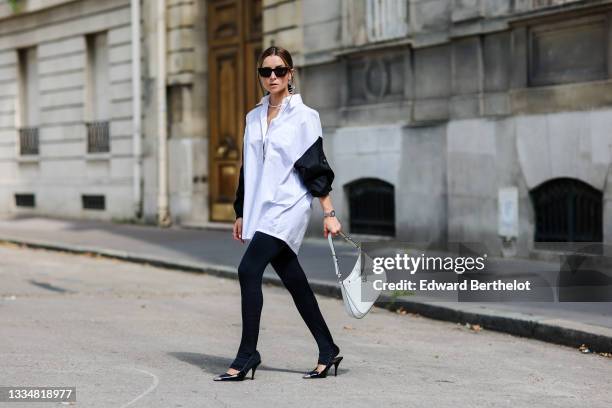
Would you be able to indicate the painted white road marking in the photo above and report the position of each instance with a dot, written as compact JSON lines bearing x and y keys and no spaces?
{"x":151,"y":388}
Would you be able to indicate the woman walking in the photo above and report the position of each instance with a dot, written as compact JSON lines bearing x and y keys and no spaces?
{"x":283,"y":168}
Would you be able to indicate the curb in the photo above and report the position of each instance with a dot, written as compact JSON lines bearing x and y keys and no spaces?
{"x":557,"y":331}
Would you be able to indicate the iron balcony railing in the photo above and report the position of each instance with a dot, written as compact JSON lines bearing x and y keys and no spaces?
{"x":28,"y":140}
{"x":98,"y":137}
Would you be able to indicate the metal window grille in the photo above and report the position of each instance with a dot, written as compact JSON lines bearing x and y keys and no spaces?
{"x":98,"y":137}
{"x":386,"y":19}
{"x":28,"y":140}
{"x":567,"y":210}
{"x":93,"y":202}
{"x":372,"y":207}
{"x":25,"y":200}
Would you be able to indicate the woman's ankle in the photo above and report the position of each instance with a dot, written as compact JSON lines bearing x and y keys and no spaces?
{"x":327,"y":355}
{"x":240,"y":361}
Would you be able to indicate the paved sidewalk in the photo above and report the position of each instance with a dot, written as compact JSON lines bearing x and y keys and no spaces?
{"x":214,"y":251}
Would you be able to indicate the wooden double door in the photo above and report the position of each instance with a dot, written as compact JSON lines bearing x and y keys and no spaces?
{"x":235,"y":42}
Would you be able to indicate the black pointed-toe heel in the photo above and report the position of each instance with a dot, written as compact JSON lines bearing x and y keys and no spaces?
{"x":315,"y":374}
{"x":251,"y":364}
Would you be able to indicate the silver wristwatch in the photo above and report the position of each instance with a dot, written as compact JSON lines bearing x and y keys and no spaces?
{"x":332,"y":213}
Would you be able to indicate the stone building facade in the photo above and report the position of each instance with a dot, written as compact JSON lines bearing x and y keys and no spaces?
{"x":65,"y":73}
{"x":67,"y":90}
{"x":484,"y":120}
{"x":444,"y":120}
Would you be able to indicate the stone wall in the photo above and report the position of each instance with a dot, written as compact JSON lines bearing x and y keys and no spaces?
{"x":63,"y":170}
{"x":187,"y":99}
{"x":479,"y":96}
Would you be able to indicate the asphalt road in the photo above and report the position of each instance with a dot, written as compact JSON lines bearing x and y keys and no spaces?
{"x":129,"y":335}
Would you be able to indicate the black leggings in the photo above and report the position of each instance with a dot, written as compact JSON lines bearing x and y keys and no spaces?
{"x":264,"y":249}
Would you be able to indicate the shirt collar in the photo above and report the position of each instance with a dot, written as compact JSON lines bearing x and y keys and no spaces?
{"x":292,"y":100}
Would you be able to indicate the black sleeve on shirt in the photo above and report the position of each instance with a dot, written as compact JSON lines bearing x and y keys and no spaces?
{"x":239,"y":202}
{"x":314,"y":170}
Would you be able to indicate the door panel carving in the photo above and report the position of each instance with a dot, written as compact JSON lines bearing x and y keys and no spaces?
{"x":234,"y":32}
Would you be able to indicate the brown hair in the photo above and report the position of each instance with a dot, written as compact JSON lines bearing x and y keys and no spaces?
{"x":282,"y":53}
{"x":274,"y":50}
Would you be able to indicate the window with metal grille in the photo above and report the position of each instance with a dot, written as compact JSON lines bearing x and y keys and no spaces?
{"x":372,"y":207}
{"x":567,"y":210}
{"x":28,"y":140}
{"x":28,"y":100}
{"x":25,"y":200}
{"x":93,"y":202}
{"x":98,"y":137}
{"x":386,"y":19}
{"x":97,"y":101}
{"x":374,"y":20}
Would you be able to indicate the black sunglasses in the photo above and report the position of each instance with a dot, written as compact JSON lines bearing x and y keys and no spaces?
{"x":278,"y":71}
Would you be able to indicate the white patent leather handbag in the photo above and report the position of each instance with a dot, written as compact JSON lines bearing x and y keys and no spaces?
{"x":354,"y":285}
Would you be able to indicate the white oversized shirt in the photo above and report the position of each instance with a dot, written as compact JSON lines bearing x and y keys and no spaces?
{"x":276,"y":201}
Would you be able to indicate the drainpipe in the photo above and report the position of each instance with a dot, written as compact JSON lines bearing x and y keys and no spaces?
{"x":137,"y":112}
{"x":163,"y":213}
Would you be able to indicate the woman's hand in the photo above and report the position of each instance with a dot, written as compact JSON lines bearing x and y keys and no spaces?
{"x":238,"y":230}
{"x":331,"y":224}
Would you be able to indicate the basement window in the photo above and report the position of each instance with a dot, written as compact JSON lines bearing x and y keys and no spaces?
{"x":25,"y":200}
{"x":93,"y":202}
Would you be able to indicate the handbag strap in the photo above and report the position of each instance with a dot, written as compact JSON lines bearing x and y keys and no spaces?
{"x":331,"y":246}
{"x":349,"y":240}
{"x":333,"y":251}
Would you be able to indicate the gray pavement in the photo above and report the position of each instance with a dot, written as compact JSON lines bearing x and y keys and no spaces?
{"x":133,"y":335}
{"x":214,"y":251}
